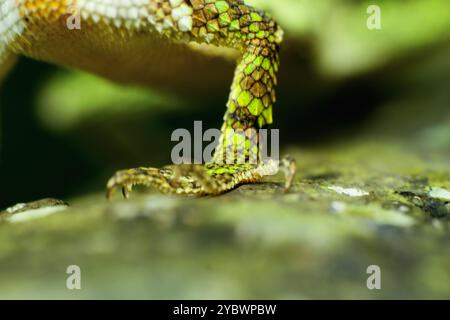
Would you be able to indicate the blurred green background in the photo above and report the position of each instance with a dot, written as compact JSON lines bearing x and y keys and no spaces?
{"x":358,"y":108}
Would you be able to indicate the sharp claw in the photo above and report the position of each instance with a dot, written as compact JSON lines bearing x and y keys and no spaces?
{"x":126,"y":189}
{"x":111,"y":188}
{"x":289,"y":167}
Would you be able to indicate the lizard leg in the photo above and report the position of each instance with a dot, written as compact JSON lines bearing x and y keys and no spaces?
{"x":188,"y":179}
{"x":194,"y":179}
{"x":48,"y":30}
{"x":231,"y":24}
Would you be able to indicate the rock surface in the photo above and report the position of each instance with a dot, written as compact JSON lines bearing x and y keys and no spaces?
{"x":348,"y":210}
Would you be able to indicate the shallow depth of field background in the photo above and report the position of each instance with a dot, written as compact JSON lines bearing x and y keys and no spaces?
{"x":64,"y":133}
{"x":358,"y":108}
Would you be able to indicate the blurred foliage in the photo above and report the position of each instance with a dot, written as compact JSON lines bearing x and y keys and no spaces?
{"x":344,"y":44}
{"x":68,"y":98}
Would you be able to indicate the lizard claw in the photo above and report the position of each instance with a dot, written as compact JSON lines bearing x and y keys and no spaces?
{"x":126,"y":179}
{"x":196,"y":179}
{"x":181,"y":179}
{"x":289,"y":167}
{"x":126,"y":190}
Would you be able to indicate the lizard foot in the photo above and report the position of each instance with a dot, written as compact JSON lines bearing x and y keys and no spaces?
{"x":198,"y":179}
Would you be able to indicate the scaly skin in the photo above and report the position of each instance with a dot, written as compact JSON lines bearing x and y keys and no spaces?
{"x":113,"y":29}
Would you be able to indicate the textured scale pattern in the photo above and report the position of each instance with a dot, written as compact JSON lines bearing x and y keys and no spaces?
{"x":11,"y":27}
{"x":126,"y":33}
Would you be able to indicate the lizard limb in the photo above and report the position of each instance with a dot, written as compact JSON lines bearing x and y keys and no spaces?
{"x":257,"y":36}
{"x":111,"y":30}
